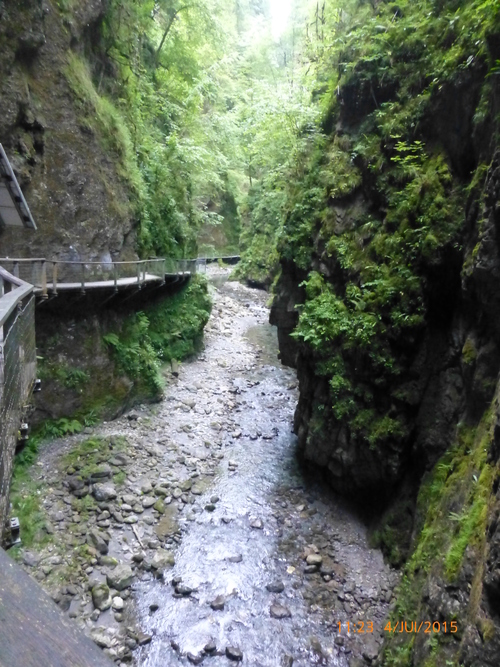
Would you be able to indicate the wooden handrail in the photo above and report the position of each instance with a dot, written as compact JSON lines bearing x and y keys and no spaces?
{"x":9,"y":301}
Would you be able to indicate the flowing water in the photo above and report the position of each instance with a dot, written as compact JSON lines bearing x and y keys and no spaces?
{"x":269,"y":565}
{"x":263,"y":517}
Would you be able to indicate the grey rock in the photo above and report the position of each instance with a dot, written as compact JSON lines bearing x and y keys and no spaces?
{"x":275,"y":587}
{"x":101,"y":471}
{"x":98,"y":540}
{"x":102,"y":638}
{"x":314,"y":559}
{"x":182,"y":589}
{"x":235,"y":559}
{"x":162,"y":559}
{"x":143,"y":638}
{"x":118,"y":460}
{"x":218,"y":603}
{"x":118,"y":603}
{"x":279,"y":611}
{"x":234,"y":653}
{"x":102,"y":492}
{"x":101,"y":597}
{"x":210,"y":648}
{"x":120,"y":578}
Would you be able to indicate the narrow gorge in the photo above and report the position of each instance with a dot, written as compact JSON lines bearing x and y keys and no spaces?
{"x":265,"y":285}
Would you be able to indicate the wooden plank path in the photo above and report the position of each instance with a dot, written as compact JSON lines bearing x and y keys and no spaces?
{"x":34,"y":632}
{"x":50,"y":277}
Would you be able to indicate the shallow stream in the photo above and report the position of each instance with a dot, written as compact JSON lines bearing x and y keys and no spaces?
{"x":268,"y":516}
{"x":270,"y":566}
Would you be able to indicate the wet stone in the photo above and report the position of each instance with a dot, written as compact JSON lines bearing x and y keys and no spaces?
{"x":234,"y":653}
{"x":143,"y":638}
{"x":162,"y":559}
{"x":275,"y":587}
{"x":279,"y":611}
{"x":235,"y":559}
{"x":183,"y":590}
{"x":195,"y":659}
{"x":210,"y":648}
{"x":218,"y":603}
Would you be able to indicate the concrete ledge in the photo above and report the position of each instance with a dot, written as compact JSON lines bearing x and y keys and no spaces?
{"x":33,"y":631}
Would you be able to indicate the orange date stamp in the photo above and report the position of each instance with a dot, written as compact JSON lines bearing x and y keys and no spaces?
{"x":402,"y":627}
{"x":427,"y":627}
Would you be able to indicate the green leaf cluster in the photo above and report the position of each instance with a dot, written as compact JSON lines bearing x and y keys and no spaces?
{"x":169,"y":329}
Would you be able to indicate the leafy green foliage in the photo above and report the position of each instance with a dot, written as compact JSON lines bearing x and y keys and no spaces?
{"x":376,"y":204}
{"x":169,"y":329}
{"x":134,"y":353}
{"x":176,"y":325}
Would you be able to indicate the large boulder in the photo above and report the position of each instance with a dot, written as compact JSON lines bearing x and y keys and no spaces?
{"x":162,"y":559}
{"x":121,"y":577}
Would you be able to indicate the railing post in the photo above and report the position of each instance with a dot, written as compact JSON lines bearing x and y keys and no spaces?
{"x":43,"y":279}
{"x":83,"y":278}
{"x":15,"y":269}
{"x":138,"y":274}
{"x":54,"y":278}
{"x":115,"y":276}
{"x":163,"y":271}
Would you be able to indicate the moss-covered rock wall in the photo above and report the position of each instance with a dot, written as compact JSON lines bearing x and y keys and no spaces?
{"x":78,"y":195}
{"x":386,"y":304}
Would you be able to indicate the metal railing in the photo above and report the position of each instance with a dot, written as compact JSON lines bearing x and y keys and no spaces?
{"x":50,"y":276}
{"x":17,"y":370}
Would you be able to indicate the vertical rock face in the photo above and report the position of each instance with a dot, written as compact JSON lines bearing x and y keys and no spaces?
{"x":447,"y":366}
{"x":80,"y":204}
{"x":396,"y":339}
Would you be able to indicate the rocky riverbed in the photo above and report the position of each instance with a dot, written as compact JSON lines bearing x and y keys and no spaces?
{"x":186,"y":532}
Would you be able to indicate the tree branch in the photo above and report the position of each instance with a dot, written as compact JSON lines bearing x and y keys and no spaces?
{"x":170,"y":23}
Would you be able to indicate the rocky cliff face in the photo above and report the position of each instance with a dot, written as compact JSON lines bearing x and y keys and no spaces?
{"x":69,"y":178}
{"x":387,"y":306}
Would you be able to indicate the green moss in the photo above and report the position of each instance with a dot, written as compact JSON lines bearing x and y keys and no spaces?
{"x":88,"y":454}
{"x":471,"y":523}
{"x":101,"y":116}
{"x":26,"y":497}
{"x":452,"y":511}
{"x":469,"y":352}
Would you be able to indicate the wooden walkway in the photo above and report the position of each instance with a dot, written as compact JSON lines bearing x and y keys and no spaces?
{"x":51,"y":277}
